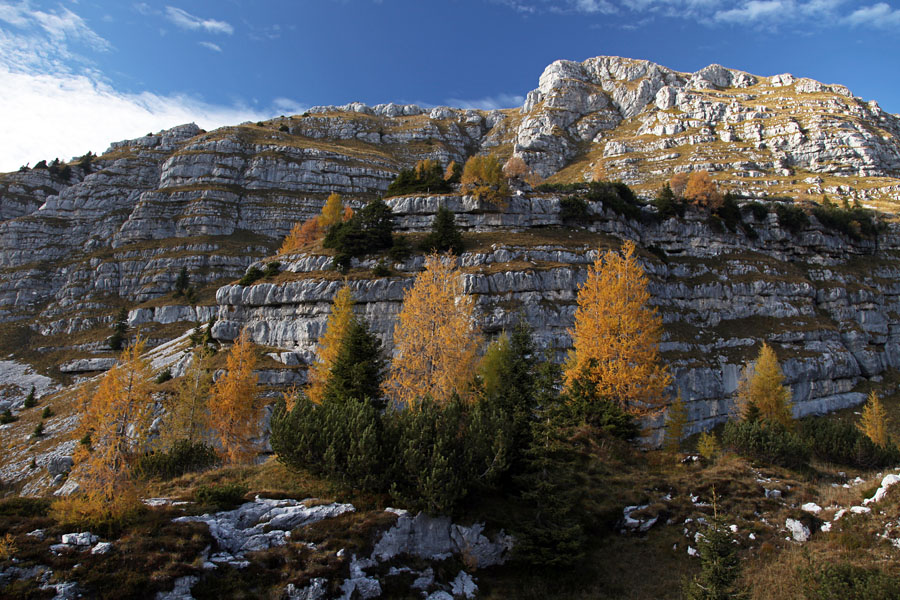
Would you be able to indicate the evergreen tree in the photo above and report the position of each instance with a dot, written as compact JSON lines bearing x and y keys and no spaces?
{"x":667,"y":204}
{"x":719,"y":566}
{"x":30,"y":399}
{"x":444,"y":234}
{"x":120,"y":331}
{"x":182,"y":282}
{"x":358,"y":368}
{"x":329,"y":344}
{"x":367,"y":231}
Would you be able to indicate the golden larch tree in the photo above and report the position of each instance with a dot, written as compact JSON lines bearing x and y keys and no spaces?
{"x":762,"y":393}
{"x":676,"y":424}
{"x":115,"y":420}
{"x":332,"y":212}
{"x":874,"y":422}
{"x":616,"y":335}
{"x":435,"y":339}
{"x":187,"y":411}
{"x":301,"y":235}
{"x":702,"y":191}
{"x":450,"y":171}
{"x":233,"y":411}
{"x":329,"y":345}
{"x":483,"y":178}
{"x":678,"y":182}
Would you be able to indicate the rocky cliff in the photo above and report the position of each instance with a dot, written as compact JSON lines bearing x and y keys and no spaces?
{"x":75,"y":250}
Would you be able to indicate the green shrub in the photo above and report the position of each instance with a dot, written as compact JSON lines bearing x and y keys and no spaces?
{"x":856,"y":223}
{"x":252,"y":275}
{"x":573,"y":208}
{"x":444,"y":234}
{"x":841,"y":442}
{"x":183,"y":457}
{"x":368,"y":231}
{"x":759,"y":210}
{"x":272,"y":268}
{"x":667,"y":204}
{"x":426,"y":177}
{"x":729,"y":212}
{"x":381,"y":269}
{"x":47,"y":412}
{"x":767,"y":442}
{"x":38,"y":430}
{"x":791,"y":217}
{"x":164,"y":376}
{"x":225,"y":496}
{"x":30,"y":400}
{"x":7,"y":417}
{"x":844,"y":581}
{"x":21,"y":506}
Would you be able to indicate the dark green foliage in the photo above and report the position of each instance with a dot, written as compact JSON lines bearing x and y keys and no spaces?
{"x":573,"y":209}
{"x":554,"y":534}
{"x":729,"y":212}
{"x":841,"y":442}
{"x":164,"y":376}
{"x":667,"y":204}
{"x":758,"y":210}
{"x":30,"y":400}
{"x":227,"y":495}
{"x":421,"y":180}
{"x":21,"y":506}
{"x":444,"y":234}
{"x":84,"y":162}
{"x":381,"y":269}
{"x":719,"y":566}
{"x":368,"y":231}
{"x":614,"y":195}
{"x":120,"y":331}
{"x":183,"y":457}
{"x":252,"y":275}
{"x":38,"y":430}
{"x":47,"y":412}
{"x":767,"y":442}
{"x":7,"y":417}
{"x":272,"y":268}
{"x":40,"y":165}
{"x":284,"y":129}
{"x":791,"y":217}
{"x":182,"y":282}
{"x":603,"y":413}
{"x":401,"y":249}
{"x":856,"y":223}
{"x":358,"y":368}
{"x":844,"y":581}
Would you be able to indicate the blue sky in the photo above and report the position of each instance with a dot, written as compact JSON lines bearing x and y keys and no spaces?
{"x":76,"y":75}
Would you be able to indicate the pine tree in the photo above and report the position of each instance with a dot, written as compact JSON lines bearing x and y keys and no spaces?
{"x":329,"y":345}
{"x":719,"y":563}
{"x":616,"y":336}
{"x":234,"y":417}
{"x":453,"y":172}
{"x":30,"y":400}
{"x":874,"y":422}
{"x":358,"y":368}
{"x":444,"y":234}
{"x":762,"y":393}
{"x":182,"y":282}
{"x":676,"y":422}
{"x":120,"y":331}
{"x":435,"y":338}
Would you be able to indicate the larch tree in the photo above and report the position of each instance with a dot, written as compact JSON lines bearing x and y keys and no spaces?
{"x":676,"y":423}
{"x":329,"y":345}
{"x":678,"y":182}
{"x":435,"y":339}
{"x":702,"y":191}
{"x":616,"y":336}
{"x":482,"y":177}
{"x":332,"y":212}
{"x":314,"y":229}
{"x":233,"y":414}
{"x":762,"y":393}
{"x":115,"y":423}
{"x":187,"y":412}
{"x":874,"y":422}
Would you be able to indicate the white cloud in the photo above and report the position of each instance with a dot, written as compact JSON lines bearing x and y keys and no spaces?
{"x":489,"y":102}
{"x":594,"y":6}
{"x":211,"y":46}
{"x":186,"y":20}
{"x":755,"y":10}
{"x":286,"y":106}
{"x":66,"y":25}
{"x":876,"y":15}
{"x":43,"y":116}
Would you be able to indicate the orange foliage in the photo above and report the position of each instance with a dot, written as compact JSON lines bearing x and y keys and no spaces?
{"x":233,"y":414}
{"x":616,"y":335}
{"x":702,"y":191}
{"x":678,"y":183}
{"x":117,"y":418}
{"x":332,"y":212}
{"x":301,"y":235}
{"x":330,"y":343}
{"x":515,"y":167}
{"x":435,"y":338}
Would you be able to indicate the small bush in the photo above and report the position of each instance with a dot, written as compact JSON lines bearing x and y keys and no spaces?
{"x":7,"y":417}
{"x":855,"y":223}
{"x":758,"y":210}
{"x":252,"y":275}
{"x":183,"y":457}
{"x":843,"y":581}
{"x":729,"y":212}
{"x":165,"y":376}
{"x":427,"y":176}
{"x":30,"y":400}
{"x":573,"y":209}
{"x":791,"y":217}
{"x":38,"y":430}
{"x":767,"y":442}
{"x":20,"y":506}
{"x":842,"y":443}
{"x":47,"y":412}
{"x":225,"y":496}
{"x":272,"y":269}
{"x":381,"y":270}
